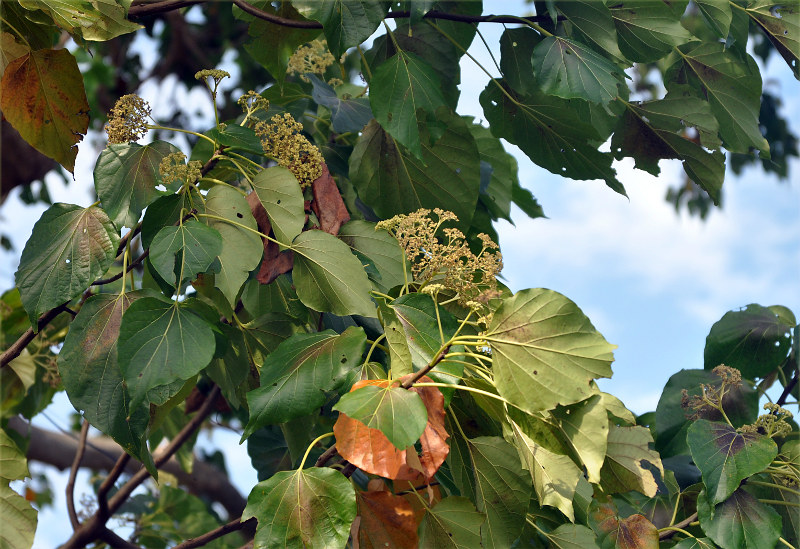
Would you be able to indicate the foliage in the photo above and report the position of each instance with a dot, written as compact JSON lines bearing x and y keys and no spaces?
{"x":323,"y":265}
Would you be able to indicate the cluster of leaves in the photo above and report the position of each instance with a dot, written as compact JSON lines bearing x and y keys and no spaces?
{"x":459,"y":419}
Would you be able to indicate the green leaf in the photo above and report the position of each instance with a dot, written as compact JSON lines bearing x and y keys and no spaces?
{"x":630,"y":462}
{"x":516,"y":58}
{"x":43,"y":98}
{"x":646,"y":31}
{"x":69,"y":248}
{"x":498,"y":194}
{"x":732,"y":87}
{"x":717,"y":14}
{"x":328,"y":277}
{"x":161,"y":343}
{"x":241,"y":249}
{"x":726,"y":457}
{"x":346,"y":23}
{"x":399,"y":354}
{"x":10,"y":49}
{"x":695,"y":543}
{"x":182,"y":252}
{"x":399,"y":87}
{"x":551,"y":131}
{"x":593,"y":21}
{"x":453,"y":523}
{"x":392,"y":181}
{"x":754,"y":340}
{"x":585,"y":426}
{"x":779,"y":21}
{"x":20,"y":516}
{"x":398,"y":413}
{"x":276,"y":297}
{"x":545,"y":351}
{"x":90,"y":370}
{"x":98,"y":20}
{"x":567,"y":69}
{"x":652,"y":131}
{"x":279,"y":192}
{"x":740,"y":522}
{"x":381,"y":248}
{"x":230,"y":371}
{"x":241,"y":137}
{"x":263,"y":334}
{"x":168,"y":210}
{"x":572,"y":536}
{"x":311,"y":508}
{"x":298,"y":373}
{"x":347,"y":115}
{"x":126,"y":176}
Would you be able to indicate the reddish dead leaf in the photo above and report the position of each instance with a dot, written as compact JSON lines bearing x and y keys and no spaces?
{"x":387,"y":520}
{"x":430,"y":493}
{"x":634,"y":532}
{"x":328,"y":205}
{"x":434,"y":447}
{"x":42,"y":96}
{"x":275,"y":262}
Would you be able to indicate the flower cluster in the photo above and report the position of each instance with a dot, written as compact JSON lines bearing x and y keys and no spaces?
{"x":173,"y":168}
{"x":711,"y":396}
{"x":313,"y":58}
{"x":773,"y":424}
{"x":216,"y":74}
{"x":282,"y":140}
{"x":251,"y":103}
{"x":446,"y":257}
{"x":127,"y":121}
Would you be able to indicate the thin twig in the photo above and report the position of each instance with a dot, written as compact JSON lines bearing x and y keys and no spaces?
{"x":788,"y":389}
{"x":417,"y":376}
{"x":105,"y":487}
{"x":16,"y":348}
{"x":135,"y":263}
{"x":666,"y":534}
{"x":199,"y":541}
{"x":73,"y":473}
{"x":326,"y":456}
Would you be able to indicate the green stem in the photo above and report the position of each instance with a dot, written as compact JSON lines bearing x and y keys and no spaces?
{"x":372,"y":347}
{"x":241,"y":170}
{"x":391,"y":35}
{"x":676,"y":529}
{"x":786,"y":543}
{"x":364,"y":61}
{"x":180,"y":130}
{"x":773,"y":485}
{"x":19,"y":34}
{"x":225,"y":183}
{"x":231,"y":151}
{"x":245,"y":227}
{"x":774,"y":501}
{"x":310,"y":446}
{"x":466,"y":388}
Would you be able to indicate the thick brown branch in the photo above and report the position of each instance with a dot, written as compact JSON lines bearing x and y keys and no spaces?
{"x":73,"y":473}
{"x":418,"y":375}
{"x":140,"y":8}
{"x":199,"y":541}
{"x":16,"y":348}
{"x":788,"y":389}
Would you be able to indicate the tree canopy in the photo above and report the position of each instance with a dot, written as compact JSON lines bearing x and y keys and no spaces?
{"x":318,"y":271}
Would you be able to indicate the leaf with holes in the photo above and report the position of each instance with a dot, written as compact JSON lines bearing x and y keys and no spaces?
{"x":545,"y":351}
{"x":779,"y":21}
{"x":453,"y":523}
{"x":303,"y":508}
{"x":298,"y":373}
{"x":346,"y":23}
{"x":630,"y":463}
{"x":400,"y":86}
{"x":740,"y":522}
{"x":279,"y":192}
{"x":161,"y":343}
{"x":182,"y":252}
{"x":126,"y":176}
{"x":387,"y":520}
{"x":726,"y":457}
{"x":42,"y":96}
{"x":69,"y":248}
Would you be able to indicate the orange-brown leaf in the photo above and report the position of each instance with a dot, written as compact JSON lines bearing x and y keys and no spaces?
{"x":434,"y":447}
{"x":634,"y":532}
{"x":42,"y":96}
{"x":275,"y":262}
{"x":387,"y":520}
{"x":328,"y":205}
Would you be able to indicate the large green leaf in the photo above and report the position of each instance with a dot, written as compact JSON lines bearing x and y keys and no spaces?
{"x":516,"y":58}
{"x":70,"y":247}
{"x":328,"y":277}
{"x":647,"y":30}
{"x":585,"y":427}
{"x":398,"y":413}
{"x":399,"y":87}
{"x":545,"y":350}
{"x":399,"y":354}
{"x":241,"y":249}
{"x":732,"y":86}
{"x":780,"y":21}
{"x":653,"y":130}
{"x":717,"y":14}
{"x":754,"y":340}
{"x":43,"y":98}
{"x":279,"y":192}
{"x":348,"y":114}
{"x":572,"y":536}
{"x":453,"y":523}
{"x":17,"y":512}
{"x":302,"y":509}
{"x":726,"y":457}
{"x":568,"y":69}
{"x":630,"y":463}
{"x":97,"y":20}
{"x":593,"y":21}
{"x":382,"y":250}
{"x":392,"y":181}
{"x":161,"y":343}
{"x":92,"y":376}
{"x":169,"y":210}
{"x":230,"y":371}
{"x":298,"y":373}
{"x":346,"y":23}
{"x":551,"y":131}
{"x":276,"y":297}
{"x":499,"y":192}
{"x":740,"y":522}
{"x":264,"y":333}
{"x":182,"y":252}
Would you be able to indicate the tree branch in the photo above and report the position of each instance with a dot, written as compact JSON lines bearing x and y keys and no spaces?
{"x":199,"y":541}
{"x":16,"y":348}
{"x":418,"y":375}
{"x":666,"y":534}
{"x":788,"y":389}
{"x":117,"y":276}
{"x":73,"y":473}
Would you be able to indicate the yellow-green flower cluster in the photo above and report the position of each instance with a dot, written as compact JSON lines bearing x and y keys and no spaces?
{"x":313,"y":58}
{"x":127,"y":121}
{"x":773,"y":424}
{"x":283,"y":141}
{"x":445,"y":256}
{"x":216,"y":74}
{"x":711,"y":397}
{"x":251,"y":103}
{"x":173,"y":168}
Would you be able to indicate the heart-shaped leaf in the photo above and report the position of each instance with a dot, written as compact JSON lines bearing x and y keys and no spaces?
{"x":585,"y":426}
{"x":646,"y":30}
{"x":453,"y":523}
{"x":182,"y":252}
{"x":630,"y":462}
{"x":633,"y":532}
{"x":347,"y":115}
{"x":739,"y":522}
{"x":346,"y":23}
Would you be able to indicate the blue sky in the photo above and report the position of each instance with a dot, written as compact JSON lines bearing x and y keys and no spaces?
{"x":652,"y":281}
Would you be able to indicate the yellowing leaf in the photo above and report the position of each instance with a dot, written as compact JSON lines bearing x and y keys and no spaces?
{"x":629,"y":461}
{"x":44,"y":99}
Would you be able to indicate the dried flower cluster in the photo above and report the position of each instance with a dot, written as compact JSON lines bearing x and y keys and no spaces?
{"x":773,"y":424}
{"x":445,"y":257}
{"x":127,"y":121}
{"x":710,"y":397}
{"x":173,"y":168}
{"x":282,"y":140}
{"x":313,"y":58}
